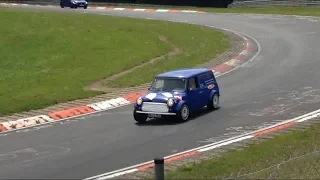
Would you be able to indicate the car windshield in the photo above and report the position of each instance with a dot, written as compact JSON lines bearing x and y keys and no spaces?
{"x":168,"y":84}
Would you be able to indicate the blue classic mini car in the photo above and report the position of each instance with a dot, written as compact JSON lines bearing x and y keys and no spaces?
{"x":178,"y":93}
{"x":74,"y":3}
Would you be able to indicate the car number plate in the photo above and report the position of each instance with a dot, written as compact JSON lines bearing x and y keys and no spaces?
{"x":155,"y":115}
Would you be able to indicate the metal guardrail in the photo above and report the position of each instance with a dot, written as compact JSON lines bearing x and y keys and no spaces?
{"x":274,"y":3}
{"x":236,"y":3}
{"x":91,"y":3}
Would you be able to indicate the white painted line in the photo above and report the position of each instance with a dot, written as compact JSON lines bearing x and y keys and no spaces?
{"x":162,"y":10}
{"x":306,"y":33}
{"x":118,"y":9}
{"x":245,"y":52}
{"x":225,"y":143}
{"x":13,"y":4}
{"x":243,"y":36}
{"x":233,"y":63}
{"x":188,"y":11}
{"x":139,"y":9}
{"x":309,"y":117}
{"x":100,"y":7}
{"x":210,"y":146}
{"x":306,"y":115}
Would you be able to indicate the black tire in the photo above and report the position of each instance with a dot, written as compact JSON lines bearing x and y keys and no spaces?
{"x":213,"y":103}
{"x":85,"y":7}
{"x":139,"y":117}
{"x":183,"y":116}
{"x":61,"y":5}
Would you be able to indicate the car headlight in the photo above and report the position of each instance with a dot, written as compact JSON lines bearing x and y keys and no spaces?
{"x":170,"y":102}
{"x":139,"y":101}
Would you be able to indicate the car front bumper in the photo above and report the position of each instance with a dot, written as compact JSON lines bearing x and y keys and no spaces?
{"x":160,"y":113}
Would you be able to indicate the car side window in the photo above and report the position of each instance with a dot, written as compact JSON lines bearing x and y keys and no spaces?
{"x":193,"y":84}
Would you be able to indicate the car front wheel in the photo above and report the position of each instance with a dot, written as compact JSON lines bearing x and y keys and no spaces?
{"x":139,"y":117}
{"x":184,"y":113}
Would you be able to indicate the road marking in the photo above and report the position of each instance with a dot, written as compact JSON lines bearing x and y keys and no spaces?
{"x":307,"y":33}
{"x":162,"y":10}
{"x":211,"y":146}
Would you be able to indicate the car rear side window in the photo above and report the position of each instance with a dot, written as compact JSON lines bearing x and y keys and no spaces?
{"x":193,"y":84}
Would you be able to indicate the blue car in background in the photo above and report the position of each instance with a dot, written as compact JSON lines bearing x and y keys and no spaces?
{"x":74,"y":3}
{"x":178,"y":93}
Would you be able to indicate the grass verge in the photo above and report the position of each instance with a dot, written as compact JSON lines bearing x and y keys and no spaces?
{"x":292,"y":155}
{"x":49,"y":57}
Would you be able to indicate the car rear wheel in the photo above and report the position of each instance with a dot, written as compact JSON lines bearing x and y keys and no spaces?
{"x":184,"y":113}
{"x":139,"y":117}
{"x":214,"y":102}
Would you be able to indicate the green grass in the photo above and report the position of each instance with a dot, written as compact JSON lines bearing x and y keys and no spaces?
{"x":291,"y":149}
{"x":198,"y":45}
{"x":48,"y":57}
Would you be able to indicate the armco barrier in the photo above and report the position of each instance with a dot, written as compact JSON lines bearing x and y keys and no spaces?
{"x":236,"y":3}
{"x":91,"y":3}
{"x":274,"y":3}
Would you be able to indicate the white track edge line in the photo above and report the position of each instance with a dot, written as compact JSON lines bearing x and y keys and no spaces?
{"x":205,"y":146}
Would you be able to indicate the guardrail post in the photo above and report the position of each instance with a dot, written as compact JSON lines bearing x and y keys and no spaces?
{"x":159,"y":168}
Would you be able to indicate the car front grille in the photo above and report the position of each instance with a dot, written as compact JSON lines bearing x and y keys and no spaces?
{"x":154,"y":107}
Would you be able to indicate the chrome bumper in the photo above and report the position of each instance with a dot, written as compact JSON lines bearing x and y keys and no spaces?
{"x":161,"y":113}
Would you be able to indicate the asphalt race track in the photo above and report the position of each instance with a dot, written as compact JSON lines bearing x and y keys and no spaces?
{"x":281,"y":83}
